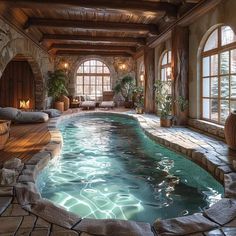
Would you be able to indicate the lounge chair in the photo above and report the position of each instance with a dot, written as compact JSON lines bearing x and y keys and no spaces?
{"x":107,"y":104}
{"x":88,"y":105}
{"x":107,"y":100}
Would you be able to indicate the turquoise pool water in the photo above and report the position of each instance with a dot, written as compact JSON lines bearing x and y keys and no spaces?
{"x":110,"y":169}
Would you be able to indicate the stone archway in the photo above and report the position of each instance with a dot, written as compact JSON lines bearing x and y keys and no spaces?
{"x":33,"y":55}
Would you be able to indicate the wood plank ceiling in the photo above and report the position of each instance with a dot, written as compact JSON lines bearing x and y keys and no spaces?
{"x":103,"y":27}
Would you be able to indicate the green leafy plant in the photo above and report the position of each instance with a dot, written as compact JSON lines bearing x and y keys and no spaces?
{"x":182,"y":103}
{"x":125,"y":87}
{"x":138,"y":97}
{"x":163,"y":99}
{"x":56,"y":84}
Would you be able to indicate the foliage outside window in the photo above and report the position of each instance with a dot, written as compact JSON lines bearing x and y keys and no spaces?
{"x":92,"y":78}
{"x":219,"y":75}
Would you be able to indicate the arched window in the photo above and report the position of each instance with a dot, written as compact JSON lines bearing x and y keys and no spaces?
{"x":141,"y":74}
{"x":92,"y":78}
{"x":219,"y":75}
{"x":165,"y":69}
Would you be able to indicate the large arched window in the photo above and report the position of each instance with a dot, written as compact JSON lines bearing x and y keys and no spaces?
{"x":165,"y":69}
{"x":219,"y":75}
{"x":92,"y":78}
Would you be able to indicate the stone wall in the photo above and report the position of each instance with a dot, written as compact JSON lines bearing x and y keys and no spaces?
{"x":12,"y":43}
{"x":113,"y":64}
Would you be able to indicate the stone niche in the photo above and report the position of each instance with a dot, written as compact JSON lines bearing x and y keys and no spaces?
{"x":12,"y":43}
{"x":119,"y":67}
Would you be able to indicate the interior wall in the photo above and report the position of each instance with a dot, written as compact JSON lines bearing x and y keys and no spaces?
{"x":17,"y":83}
{"x":113,"y":64}
{"x":224,"y":13}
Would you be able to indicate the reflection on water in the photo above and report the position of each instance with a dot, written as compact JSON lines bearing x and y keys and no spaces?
{"x":109,"y":169}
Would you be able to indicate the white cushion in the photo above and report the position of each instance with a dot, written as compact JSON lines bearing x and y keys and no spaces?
{"x":107,"y":104}
{"x":9,"y":113}
{"x":32,"y":117}
{"x":88,"y":104}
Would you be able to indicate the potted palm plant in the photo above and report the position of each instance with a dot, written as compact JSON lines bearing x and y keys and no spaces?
{"x":164,"y":102}
{"x":138,"y":99}
{"x":125,"y":87}
{"x":56,"y":87}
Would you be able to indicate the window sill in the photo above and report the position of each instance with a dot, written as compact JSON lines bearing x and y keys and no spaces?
{"x":208,"y":127}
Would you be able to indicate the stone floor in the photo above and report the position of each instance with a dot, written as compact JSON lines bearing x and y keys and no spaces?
{"x":24,"y":212}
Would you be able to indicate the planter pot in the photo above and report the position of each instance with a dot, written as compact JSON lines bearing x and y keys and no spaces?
{"x":139,"y":110}
{"x":128,"y":104}
{"x":230,"y":130}
{"x":66,"y":101}
{"x":59,"y":106}
{"x":4,"y":132}
{"x":166,"y":122}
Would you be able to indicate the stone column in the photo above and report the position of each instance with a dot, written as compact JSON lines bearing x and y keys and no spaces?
{"x":149,"y":64}
{"x":180,"y":60}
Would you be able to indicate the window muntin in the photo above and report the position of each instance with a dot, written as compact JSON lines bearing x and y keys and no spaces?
{"x":92,"y":78}
{"x":219,"y":75}
{"x":166,"y":69}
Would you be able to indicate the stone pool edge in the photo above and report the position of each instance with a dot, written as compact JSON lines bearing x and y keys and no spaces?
{"x":222,"y":214}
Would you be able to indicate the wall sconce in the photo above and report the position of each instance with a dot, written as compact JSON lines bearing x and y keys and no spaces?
{"x":168,"y":72}
{"x":66,"y":66}
{"x":122,"y":66}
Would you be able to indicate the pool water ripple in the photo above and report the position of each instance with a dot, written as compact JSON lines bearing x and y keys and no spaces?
{"x":108,"y":168}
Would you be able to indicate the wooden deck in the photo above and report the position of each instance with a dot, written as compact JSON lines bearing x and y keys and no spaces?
{"x":25,"y":140}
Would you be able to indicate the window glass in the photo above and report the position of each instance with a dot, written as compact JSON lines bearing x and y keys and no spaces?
{"x":224,"y":63}
{"x":169,"y":56}
{"x":219,"y":75}
{"x":166,"y":70}
{"x":233,"y":87}
{"x":164,"y":59}
{"x":214,"y":65}
{"x":93,"y":77}
{"x":224,"y":80}
{"x":214,"y":109}
{"x":227,"y":35}
{"x":233,"y":105}
{"x":214,"y":87}
{"x":212,"y":41}
{"x":233,"y":60}
{"x":206,"y":87}
{"x":224,"y":106}
{"x":206,"y":108}
{"x":206,"y":68}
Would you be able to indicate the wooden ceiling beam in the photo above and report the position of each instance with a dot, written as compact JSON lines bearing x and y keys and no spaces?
{"x":130,"y":50}
{"x":86,"y":53}
{"x":188,"y":18}
{"x":91,"y":25}
{"x":85,"y":38}
{"x":128,"y":5}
